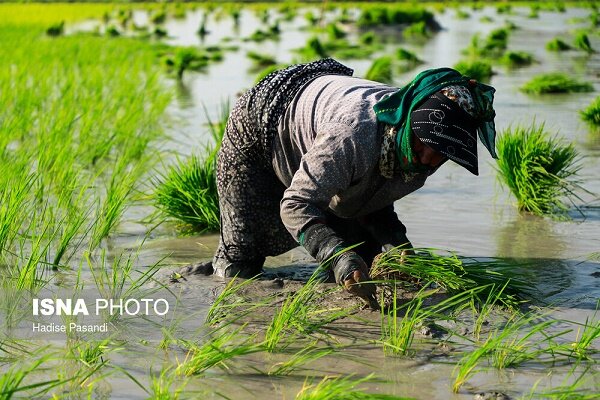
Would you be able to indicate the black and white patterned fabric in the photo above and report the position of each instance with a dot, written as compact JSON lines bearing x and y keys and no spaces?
{"x":249,"y":191}
{"x":443,"y":125}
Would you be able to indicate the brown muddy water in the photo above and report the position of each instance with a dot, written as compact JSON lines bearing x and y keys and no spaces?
{"x":454,"y":211}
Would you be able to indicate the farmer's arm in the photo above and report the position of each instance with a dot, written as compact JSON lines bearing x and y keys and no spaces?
{"x":338,"y":157}
{"x":386,"y":228}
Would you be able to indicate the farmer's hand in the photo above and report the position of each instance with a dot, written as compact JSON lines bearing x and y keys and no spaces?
{"x":352,"y":273}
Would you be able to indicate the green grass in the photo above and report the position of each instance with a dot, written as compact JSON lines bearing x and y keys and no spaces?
{"x":555,"y":82}
{"x":540,"y":170}
{"x":591,"y":114}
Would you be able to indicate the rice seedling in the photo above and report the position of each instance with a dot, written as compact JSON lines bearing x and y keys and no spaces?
{"x":261,"y":61}
{"x":591,"y":114}
{"x":182,"y":59}
{"x":300,"y":315}
{"x":557,"y":44}
{"x":188,"y":191}
{"x":453,"y":274}
{"x":555,"y":82}
{"x":417,"y":29}
{"x":397,"y":334}
{"x":513,"y":59}
{"x":407,"y":56}
{"x":56,"y":29}
{"x":491,"y":46}
{"x":216,"y":352}
{"x":572,"y":391}
{"x":229,"y":303}
{"x":12,"y":382}
{"x":334,"y":31}
{"x":299,"y":359}
{"x":539,"y":170}
{"x":582,"y":42}
{"x":165,"y":386}
{"x":341,"y":388}
{"x":381,"y":70}
{"x":522,"y":338}
{"x":477,"y":69}
{"x":462,"y":14}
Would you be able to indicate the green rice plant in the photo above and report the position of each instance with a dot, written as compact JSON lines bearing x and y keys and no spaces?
{"x":341,"y":388}
{"x":582,"y":42}
{"x":513,"y":59}
{"x":56,"y":29}
{"x":491,"y":46}
{"x":555,"y":82}
{"x":522,"y":338}
{"x":397,"y":334}
{"x":539,"y":170}
{"x":216,"y":352}
{"x":261,"y":61}
{"x":408,"y":56}
{"x":188,"y":190}
{"x":417,"y":29}
{"x":334,"y":31}
{"x":381,"y":70}
{"x":158,"y":16}
{"x":120,"y":281}
{"x":557,"y":44}
{"x":367,"y":38}
{"x":477,"y":69}
{"x":12,"y":382}
{"x":314,"y":49}
{"x":299,"y":359}
{"x":229,"y":306}
{"x":162,"y":385}
{"x":462,"y":14}
{"x":183,"y":59}
{"x":591,"y":114}
{"x":573,"y":391}
{"x":299,"y":315}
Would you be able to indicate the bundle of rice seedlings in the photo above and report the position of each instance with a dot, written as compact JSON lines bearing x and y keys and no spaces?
{"x":188,"y":190}
{"x":556,"y":82}
{"x":477,"y":69}
{"x":181,"y":59}
{"x":418,"y":29}
{"x":582,"y":42}
{"x":514,"y":59}
{"x":540,"y":170}
{"x":334,"y":31}
{"x":56,"y":29}
{"x":591,"y":114}
{"x":261,"y":60}
{"x":381,"y":70}
{"x":408,"y":56}
{"x":557,"y":44}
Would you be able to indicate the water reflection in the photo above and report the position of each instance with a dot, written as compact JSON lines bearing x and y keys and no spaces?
{"x":535,"y":251}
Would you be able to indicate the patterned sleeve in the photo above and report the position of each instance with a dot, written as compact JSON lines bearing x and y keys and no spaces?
{"x":339,"y":156}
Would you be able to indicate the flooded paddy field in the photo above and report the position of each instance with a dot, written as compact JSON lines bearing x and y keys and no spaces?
{"x":95,"y":117}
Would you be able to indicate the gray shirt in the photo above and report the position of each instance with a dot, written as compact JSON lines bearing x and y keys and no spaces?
{"x":327,"y":153}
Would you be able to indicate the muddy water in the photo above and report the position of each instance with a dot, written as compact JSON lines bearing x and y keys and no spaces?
{"x":455,"y":210}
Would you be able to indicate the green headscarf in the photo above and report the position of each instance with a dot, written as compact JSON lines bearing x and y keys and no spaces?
{"x":396,"y":109}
